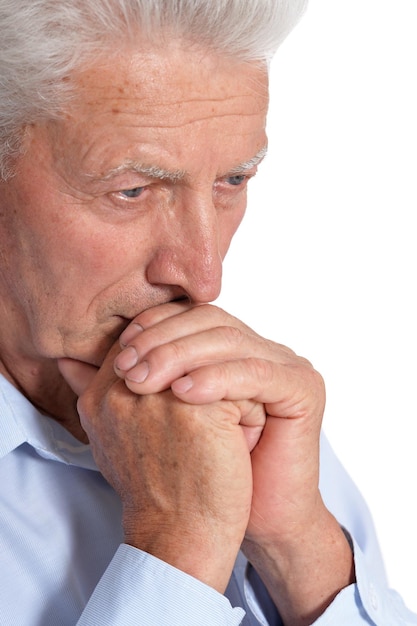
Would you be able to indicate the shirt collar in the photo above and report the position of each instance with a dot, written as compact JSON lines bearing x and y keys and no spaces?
{"x":21,"y":422}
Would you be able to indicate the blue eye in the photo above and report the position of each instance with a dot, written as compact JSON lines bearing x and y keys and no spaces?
{"x":132,"y":193}
{"x":236,"y":180}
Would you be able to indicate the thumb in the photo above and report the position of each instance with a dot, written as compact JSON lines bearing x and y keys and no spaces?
{"x":77,"y":374}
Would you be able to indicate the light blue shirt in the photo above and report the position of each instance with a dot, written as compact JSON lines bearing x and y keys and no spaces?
{"x":63,"y":563}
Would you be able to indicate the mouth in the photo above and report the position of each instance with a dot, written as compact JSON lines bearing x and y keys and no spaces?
{"x":108,"y":334}
{"x":126,"y":320}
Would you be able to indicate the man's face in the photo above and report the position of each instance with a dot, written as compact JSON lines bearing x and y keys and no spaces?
{"x":128,"y":201}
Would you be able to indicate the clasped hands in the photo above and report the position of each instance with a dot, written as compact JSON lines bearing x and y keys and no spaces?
{"x":210,"y":435}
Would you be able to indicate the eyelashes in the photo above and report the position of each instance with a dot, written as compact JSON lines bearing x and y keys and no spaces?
{"x":132,"y":193}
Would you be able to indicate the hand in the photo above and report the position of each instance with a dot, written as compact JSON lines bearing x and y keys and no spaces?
{"x":182,"y":471}
{"x":204,"y":356}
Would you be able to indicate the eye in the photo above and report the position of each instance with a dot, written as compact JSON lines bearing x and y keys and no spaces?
{"x":236,"y":180}
{"x":132,"y":193}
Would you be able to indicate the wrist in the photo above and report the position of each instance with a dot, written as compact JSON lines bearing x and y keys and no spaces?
{"x":304,"y":572}
{"x":201,"y":552}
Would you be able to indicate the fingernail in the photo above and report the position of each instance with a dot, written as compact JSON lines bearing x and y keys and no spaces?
{"x":129,"y":334}
{"x":140,"y":373}
{"x":127,"y":359}
{"x":182,"y":385}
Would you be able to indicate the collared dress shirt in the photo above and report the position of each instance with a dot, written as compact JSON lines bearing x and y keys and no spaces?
{"x":63,"y":561}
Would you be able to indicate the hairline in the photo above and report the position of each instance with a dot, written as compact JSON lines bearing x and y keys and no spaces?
{"x":47,"y":42}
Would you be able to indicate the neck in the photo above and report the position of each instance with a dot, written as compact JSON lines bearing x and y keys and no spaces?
{"x":43,"y":385}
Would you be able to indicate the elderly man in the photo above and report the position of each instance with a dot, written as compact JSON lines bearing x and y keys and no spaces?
{"x":159,"y":460}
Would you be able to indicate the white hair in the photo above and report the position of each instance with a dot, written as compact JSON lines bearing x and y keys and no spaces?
{"x":43,"y":41}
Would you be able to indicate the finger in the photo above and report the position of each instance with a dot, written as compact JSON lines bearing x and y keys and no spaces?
{"x":252,"y":421}
{"x":169,"y":361}
{"x":152,"y":317}
{"x":77,"y":374}
{"x":158,"y":367}
{"x":160,"y":325}
{"x":288,"y":390}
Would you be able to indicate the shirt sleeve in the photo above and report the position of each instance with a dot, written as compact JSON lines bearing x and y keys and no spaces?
{"x":368,"y":602}
{"x":138,"y":589}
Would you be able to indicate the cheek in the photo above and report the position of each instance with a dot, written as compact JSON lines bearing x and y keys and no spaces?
{"x":229,"y":222}
{"x":93,"y":261}
{"x":71,"y":246}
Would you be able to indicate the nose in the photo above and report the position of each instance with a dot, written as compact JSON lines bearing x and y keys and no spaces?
{"x":187,"y":252}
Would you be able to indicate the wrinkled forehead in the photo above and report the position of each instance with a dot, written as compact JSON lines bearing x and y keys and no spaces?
{"x":173,"y":109}
{"x":168,"y":82}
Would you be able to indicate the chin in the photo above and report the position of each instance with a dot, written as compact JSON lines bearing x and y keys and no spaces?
{"x":88,"y":346}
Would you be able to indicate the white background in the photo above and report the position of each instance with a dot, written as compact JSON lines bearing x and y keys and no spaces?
{"x":326,"y":260}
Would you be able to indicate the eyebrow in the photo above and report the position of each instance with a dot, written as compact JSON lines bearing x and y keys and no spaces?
{"x":174,"y":176}
{"x":248,"y":165}
{"x":150,"y":171}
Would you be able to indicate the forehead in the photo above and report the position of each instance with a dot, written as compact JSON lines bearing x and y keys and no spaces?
{"x":177,"y":100}
{"x":175,"y":77}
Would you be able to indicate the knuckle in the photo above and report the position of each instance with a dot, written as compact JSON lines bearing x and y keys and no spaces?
{"x":174,"y":351}
{"x":216,"y":313}
{"x":262,"y":369}
{"x":306,"y":362}
{"x":318,"y":381}
{"x":210,"y":309}
{"x":232,"y":335}
{"x":217,"y":376}
{"x":314,"y":377}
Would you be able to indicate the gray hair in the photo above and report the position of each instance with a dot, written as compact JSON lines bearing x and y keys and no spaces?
{"x":43,"y":41}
